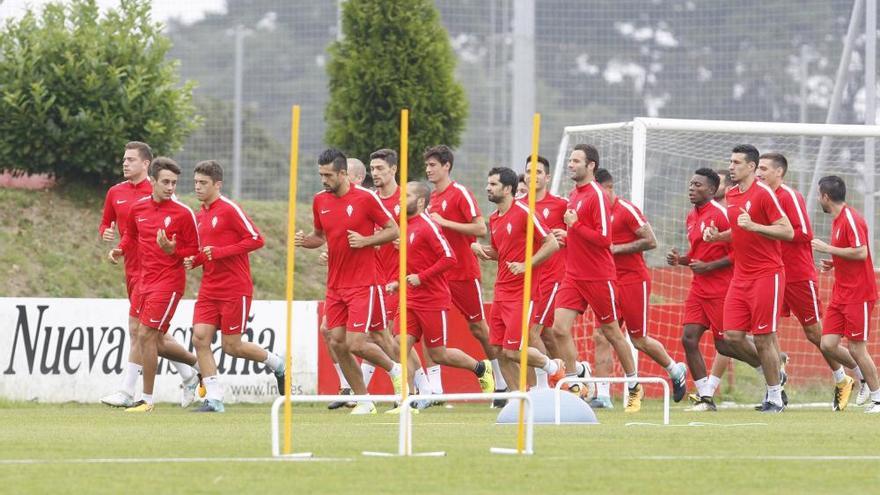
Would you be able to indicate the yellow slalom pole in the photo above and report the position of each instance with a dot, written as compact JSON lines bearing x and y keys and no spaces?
{"x":527,"y":283}
{"x":291,"y":265}
{"x":401,"y":277}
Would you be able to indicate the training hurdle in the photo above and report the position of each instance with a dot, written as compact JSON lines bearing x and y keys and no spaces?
{"x":405,"y":432}
{"x":596,"y":379}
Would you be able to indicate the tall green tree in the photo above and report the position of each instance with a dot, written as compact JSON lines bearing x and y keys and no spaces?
{"x":393,"y":55}
{"x":76,"y":85}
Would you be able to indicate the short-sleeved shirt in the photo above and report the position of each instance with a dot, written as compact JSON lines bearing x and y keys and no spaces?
{"x":430,"y":257}
{"x":713,"y":284}
{"x":508,"y":233}
{"x":551,"y":212}
{"x":626,"y":220}
{"x":797,"y":254}
{"x":588,"y":243}
{"x":387,"y":255}
{"x":457,"y":204}
{"x":854,"y":280}
{"x":359,"y":210}
{"x":755,"y":256}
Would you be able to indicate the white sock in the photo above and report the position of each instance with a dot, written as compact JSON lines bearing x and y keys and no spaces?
{"x":550,"y":366}
{"x":148,"y":398}
{"x":500,"y":384}
{"x":541,"y":379}
{"x":714,"y":382}
{"x":185,"y":371}
{"x":633,"y":382}
{"x":670,"y":367}
{"x":603,"y":389}
{"x":273,"y":361}
{"x":875,"y":395}
{"x":394,"y":371}
{"x":703,"y":387}
{"x":343,"y":383}
{"x":129,"y":381}
{"x":435,"y":378}
{"x":367,"y":371}
{"x":859,"y":374}
{"x":839,"y":375}
{"x":774,"y":394}
{"x":423,"y":386}
{"x":214,"y":388}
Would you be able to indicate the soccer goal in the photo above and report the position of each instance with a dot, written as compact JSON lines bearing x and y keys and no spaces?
{"x":652,"y":161}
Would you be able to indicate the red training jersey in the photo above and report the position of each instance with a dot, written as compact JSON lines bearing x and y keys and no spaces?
{"x":755,"y":256}
{"x":387,"y":256}
{"x":232,"y":235}
{"x":854,"y":280}
{"x":428,"y":255}
{"x":457,"y":204}
{"x":358,"y":210}
{"x":588,"y":244}
{"x":117,"y":205}
{"x":713,"y":284}
{"x":551,"y":212}
{"x":797,"y":254}
{"x":159,"y":271}
{"x":626,"y":219}
{"x":509,"y":241}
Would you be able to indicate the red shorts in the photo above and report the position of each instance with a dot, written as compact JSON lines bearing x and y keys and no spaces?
{"x":849,"y":320}
{"x":708,"y":313}
{"x":633,"y":305}
{"x":132,"y":286}
{"x":157,"y":308}
{"x":802,"y":299}
{"x":505,"y":324}
{"x":600,"y":296}
{"x":429,"y":324}
{"x":546,"y":303}
{"x":391,"y":302}
{"x":754,"y":305}
{"x":229,"y":315}
{"x":467,"y":296}
{"x":358,"y":309}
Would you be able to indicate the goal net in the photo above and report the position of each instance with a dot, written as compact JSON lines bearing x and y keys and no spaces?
{"x":652,"y":161}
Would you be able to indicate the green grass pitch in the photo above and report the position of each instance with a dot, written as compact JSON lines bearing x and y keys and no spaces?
{"x":74,"y":448}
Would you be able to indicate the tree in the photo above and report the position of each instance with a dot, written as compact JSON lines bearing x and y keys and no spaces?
{"x":393,"y":55}
{"x":75,"y":86}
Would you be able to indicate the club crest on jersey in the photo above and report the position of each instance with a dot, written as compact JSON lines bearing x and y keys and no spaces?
{"x":837,"y":235}
{"x":509,"y":228}
{"x":397,"y":210}
{"x":412,"y":237}
{"x":748,"y":205}
{"x":546,"y":212}
{"x":443,"y":205}
{"x":577,"y":206}
{"x":167,"y":221}
{"x":213,"y":222}
{"x":349,"y":209}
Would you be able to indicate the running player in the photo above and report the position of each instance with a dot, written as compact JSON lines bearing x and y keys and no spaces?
{"x":801,"y":281}
{"x":855,"y":286}
{"x":454,"y":208}
{"x":754,"y":298}
{"x":429,"y":257}
{"x":509,"y":227}
{"x":632,"y":234}
{"x":345,"y":217}
{"x":163,"y":232}
{"x":227,"y":235}
{"x":589,"y":270}
{"x":712,"y":270}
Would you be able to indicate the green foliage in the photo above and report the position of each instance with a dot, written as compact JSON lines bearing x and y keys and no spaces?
{"x":393,"y":55}
{"x":76,"y":86}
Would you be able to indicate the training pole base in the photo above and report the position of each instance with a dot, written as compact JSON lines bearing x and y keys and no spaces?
{"x":506,"y":451}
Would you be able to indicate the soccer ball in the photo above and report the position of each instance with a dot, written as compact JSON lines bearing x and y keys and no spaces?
{"x":588,"y":390}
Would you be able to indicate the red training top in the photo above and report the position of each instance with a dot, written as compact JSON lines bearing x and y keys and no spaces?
{"x":387,"y":256}
{"x":117,"y":205}
{"x":428,"y":256}
{"x":626,"y":219}
{"x":854,"y":280}
{"x":551,"y":212}
{"x":797,"y":255}
{"x":755,"y":256}
{"x":509,"y":240}
{"x":457,"y":204}
{"x":588,"y":244}
{"x":713,"y":284}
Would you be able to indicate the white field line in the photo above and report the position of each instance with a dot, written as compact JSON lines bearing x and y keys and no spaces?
{"x":168,"y":460}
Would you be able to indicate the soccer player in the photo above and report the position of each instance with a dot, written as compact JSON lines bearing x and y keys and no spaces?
{"x":754,"y":298}
{"x":509,"y":228}
{"x":455,"y":210}
{"x":429,"y":257}
{"x":712,"y":271}
{"x":589,"y":270}
{"x":522,"y":186}
{"x":723,"y":186}
{"x":163,"y":231}
{"x":117,"y":205}
{"x":631,"y":235}
{"x":345,"y":217}
{"x":227,"y":235}
{"x":855,"y":286}
{"x":801,"y":281}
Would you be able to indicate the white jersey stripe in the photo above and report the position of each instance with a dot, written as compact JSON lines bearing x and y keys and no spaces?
{"x":167,"y":310}
{"x":243,"y":313}
{"x":852,"y":225}
{"x":446,"y":249}
{"x":243,"y":217}
{"x":467,"y":197}
{"x":613,"y":302}
{"x":720,"y":207}
{"x":480,"y":296}
{"x":644,"y":308}
{"x":630,"y":208}
{"x":549,"y":303}
{"x":443,"y":319}
{"x":775,"y":301}
{"x":601,"y":195}
{"x":534,"y":218}
{"x":773,"y":197}
{"x":866,"y":321}
{"x":797,"y":206}
{"x":376,"y":197}
{"x":193,"y":215}
{"x":815,"y":300}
